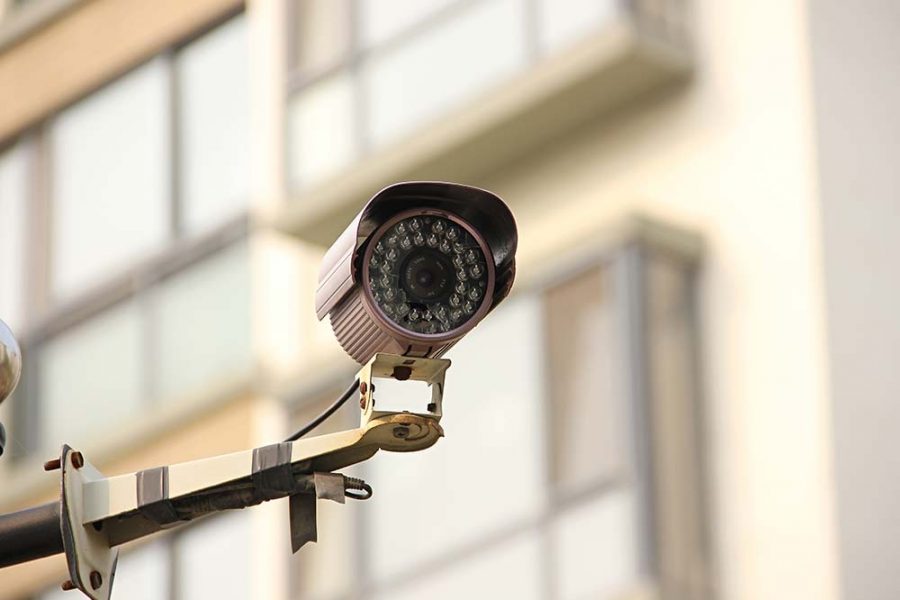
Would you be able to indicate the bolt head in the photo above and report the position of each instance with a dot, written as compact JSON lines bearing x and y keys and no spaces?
{"x":401,"y":432}
{"x":96,"y":580}
{"x":402,"y":373}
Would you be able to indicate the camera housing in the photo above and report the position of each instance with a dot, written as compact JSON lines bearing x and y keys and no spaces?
{"x":418,"y":267}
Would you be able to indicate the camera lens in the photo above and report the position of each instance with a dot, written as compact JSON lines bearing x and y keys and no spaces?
{"x":428,"y":274}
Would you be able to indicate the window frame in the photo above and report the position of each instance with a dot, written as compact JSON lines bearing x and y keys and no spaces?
{"x":665,"y":19}
{"x":46,"y":318}
{"x":357,"y":54}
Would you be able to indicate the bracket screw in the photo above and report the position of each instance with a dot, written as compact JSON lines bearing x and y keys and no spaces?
{"x":67,"y":585}
{"x":96,"y":580}
{"x":401,"y":432}
{"x":402,"y":373}
{"x":77,"y":459}
{"x":363,"y":388}
{"x":52,"y":464}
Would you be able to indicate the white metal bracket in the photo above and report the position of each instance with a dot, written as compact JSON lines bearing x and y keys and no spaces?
{"x":100,"y":513}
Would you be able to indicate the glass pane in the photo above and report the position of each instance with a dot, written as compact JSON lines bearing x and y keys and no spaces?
{"x":677,"y":481}
{"x":202,"y":324}
{"x":90,"y":377}
{"x":596,"y":548}
{"x":380,"y":21}
{"x":439,"y":68}
{"x":214,"y":558}
{"x":322,"y":130}
{"x":55,"y":593}
{"x":590,"y":425}
{"x":111,"y":179}
{"x":671,"y":351}
{"x":214,"y":126}
{"x":312,"y":569}
{"x":143,"y":573}
{"x":511,"y":570}
{"x":324,"y":569}
{"x":487,"y":474}
{"x":13,"y":202}
{"x":321,"y":35}
{"x":564,"y":22}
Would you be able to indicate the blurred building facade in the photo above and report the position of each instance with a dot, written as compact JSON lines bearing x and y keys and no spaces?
{"x":665,"y":408}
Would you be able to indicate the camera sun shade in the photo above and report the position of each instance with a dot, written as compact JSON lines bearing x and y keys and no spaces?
{"x":417,"y":269}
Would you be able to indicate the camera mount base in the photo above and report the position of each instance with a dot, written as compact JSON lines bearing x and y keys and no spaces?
{"x":99,"y":513}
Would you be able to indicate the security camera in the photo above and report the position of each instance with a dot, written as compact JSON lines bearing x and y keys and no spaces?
{"x":420,"y":265}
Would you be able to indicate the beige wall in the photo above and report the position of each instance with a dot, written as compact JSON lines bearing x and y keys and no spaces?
{"x":729,"y":154}
{"x":94,"y":42}
{"x":856,"y":55}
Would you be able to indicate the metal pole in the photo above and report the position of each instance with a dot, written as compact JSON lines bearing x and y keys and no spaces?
{"x":29,"y":534}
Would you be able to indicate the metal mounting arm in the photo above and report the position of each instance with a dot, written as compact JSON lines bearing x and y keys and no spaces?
{"x":97,"y":513}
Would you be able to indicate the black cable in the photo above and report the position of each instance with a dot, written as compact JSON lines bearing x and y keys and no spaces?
{"x":354,"y":492}
{"x":354,"y":387}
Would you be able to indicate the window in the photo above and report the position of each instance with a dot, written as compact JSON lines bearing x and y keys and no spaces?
{"x":511,"y":570}
{"x":91,"y":377}
{"x":182,"y":335}
{"x":380,"y":23}
{"x":365,"y":74}
{"x":186,"y":563}
{"x":322,"y":134}
{"x":594,"y":473}
{"x":564,"y":22}
{"x":588,"y":412}
{"x":596,"y":548}
{"x":214,"y":127}
{"x":430,"y":73}
{"x":155,"y":158}
{"x":322,"y":37}
{"x":312,"y":569}
{"x":13,"y":225}
{"x":123,"y":186}
{"x":495,"y":441}
{"x":214,"y":558}
{"x":111,"y":180}
{"x":570,"y":465}
{"x":202,"y":323}
{"x":144,"y":573}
